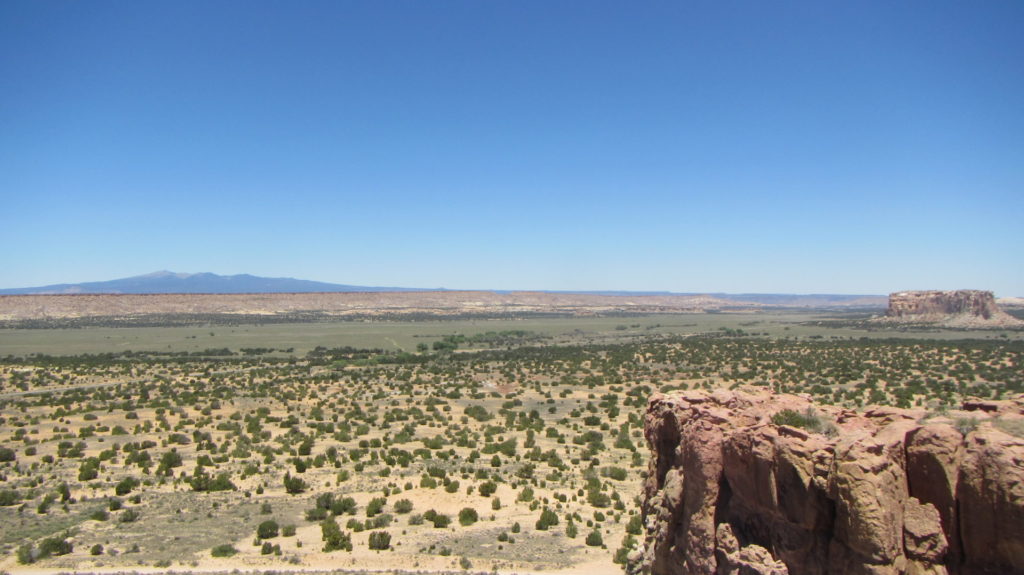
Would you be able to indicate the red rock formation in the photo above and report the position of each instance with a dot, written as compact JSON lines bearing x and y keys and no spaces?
{"x":730,"y":492}
{"x":965,"y":308}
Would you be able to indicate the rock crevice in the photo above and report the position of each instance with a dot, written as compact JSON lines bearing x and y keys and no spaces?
{"x":731,"y":492}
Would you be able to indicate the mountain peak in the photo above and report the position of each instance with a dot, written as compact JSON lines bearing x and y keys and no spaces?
{"x":166,"y":274}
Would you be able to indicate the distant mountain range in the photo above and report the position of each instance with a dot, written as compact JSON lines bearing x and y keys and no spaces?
{"x":165,"y":282}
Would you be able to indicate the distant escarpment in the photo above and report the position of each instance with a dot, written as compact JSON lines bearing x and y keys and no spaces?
{"x":748,"y":483}
{"x":155,"y":309}
{"x":959,"y":308}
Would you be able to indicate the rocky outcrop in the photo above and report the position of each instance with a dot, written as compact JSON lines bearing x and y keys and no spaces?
{"x":731,"y":492}
{"x":960,"y":308}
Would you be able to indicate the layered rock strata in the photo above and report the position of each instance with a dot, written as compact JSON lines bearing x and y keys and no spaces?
{"x":965,"y":308}
{"x":730,"y":492}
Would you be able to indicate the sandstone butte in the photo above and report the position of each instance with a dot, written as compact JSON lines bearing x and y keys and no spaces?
{"x":958,"y":308}
{"x":730,"y":492}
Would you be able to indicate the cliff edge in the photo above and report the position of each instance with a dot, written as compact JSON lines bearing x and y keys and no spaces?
{"x":824,"y":490}
{"x":959,"y":308}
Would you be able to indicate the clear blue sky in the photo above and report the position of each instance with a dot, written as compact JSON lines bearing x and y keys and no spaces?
{"x":841,"y":147}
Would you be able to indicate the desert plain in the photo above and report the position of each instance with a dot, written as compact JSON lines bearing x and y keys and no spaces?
{"x":491,"y":439}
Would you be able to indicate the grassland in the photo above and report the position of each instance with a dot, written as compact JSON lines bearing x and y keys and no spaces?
{"x":405,"y":335}
{"x":481,"y":445}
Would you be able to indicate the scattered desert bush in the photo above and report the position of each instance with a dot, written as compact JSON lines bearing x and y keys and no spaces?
{"x":372,"y":422}
{"x":126,"y":485}
{"x":380,"y":540}
{"x":224,"y":550}
{"x":966,"y":425}
{"x":294,"y":485}
{"x":468,"y":516}
{"x":333,"y":537}
{"x":403,"y":506}
{"x":808,"y":420}
{"x":9,"y":497}
{"x":267,"y":529}
{"x":548,"y":518}
{"x":375,"y":506}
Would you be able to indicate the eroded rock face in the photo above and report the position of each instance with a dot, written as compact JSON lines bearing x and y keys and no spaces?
{"x":967,"y":308}
{"x":730,"y":492}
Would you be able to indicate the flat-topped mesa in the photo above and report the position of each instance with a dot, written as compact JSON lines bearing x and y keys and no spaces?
{"x":958,"y":307}
{"x":751,"y":482}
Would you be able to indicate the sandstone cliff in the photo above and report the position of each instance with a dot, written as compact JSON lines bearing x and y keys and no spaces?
{"x":730,"y":492}
{"x":960,"y":308}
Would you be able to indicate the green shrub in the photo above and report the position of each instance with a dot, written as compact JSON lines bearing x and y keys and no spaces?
{"x":225,"y":550}
{"x":616,"y":473}
{"x":345,"y":505}
{"x":202,"y":482}
{"x":89,"y":469}
{"x":808,"y":420}
{"x":44,"y":505}
{"x":26,"y":554}
{"x":316,"y":514}
{"x":128,"y":516}
{"x":168,"y":461}
{"x":375,"y":506}
{"x":334,"y":538}
{"x":9,"y":497}
{"x":294,"y":485}
{"x":403,"y":506}
{"x":548,"y":518}
{"x":380,"y":540}
{"x":478,"y":412}
{"x":441,"y":521}
{"x":267,"y":530}
{"x":126,"y":485}
{"x":468,"y":516}
{"x":487,"y":488}
{"x":598,"y":499}
{"x":622,"y":553}
{"x":634,"y":526}
{"x":594,"y":539}
{"x":380,"y":521}
{"x":966,"y":425}
{"x":54,"y":546}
